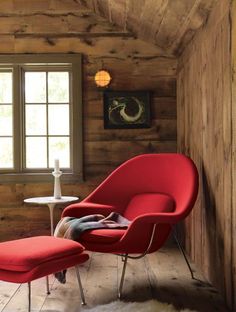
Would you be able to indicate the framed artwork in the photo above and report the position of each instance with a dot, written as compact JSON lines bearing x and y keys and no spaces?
{"x":126,"y":109}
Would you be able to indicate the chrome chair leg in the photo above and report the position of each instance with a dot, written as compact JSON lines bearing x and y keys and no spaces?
{"x":184,"y":254}
{"x":47,"y":285}
{"x":29,"y":297}
{"x":80,"y":286}
{"x":124,"y":259}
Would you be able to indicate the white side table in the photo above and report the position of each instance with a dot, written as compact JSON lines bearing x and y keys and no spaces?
{"x":51,"y":202}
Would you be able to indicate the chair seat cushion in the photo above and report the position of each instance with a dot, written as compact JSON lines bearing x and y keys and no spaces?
{"x":140,"y":204}
{"x":102,"y":236}
{"x":25,"y":254}
{"x":146,"y":203}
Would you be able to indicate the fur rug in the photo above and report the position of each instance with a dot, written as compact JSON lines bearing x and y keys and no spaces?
{"x":147,"y":306}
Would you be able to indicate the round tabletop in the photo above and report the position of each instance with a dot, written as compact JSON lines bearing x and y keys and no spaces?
{"x":50,"y":200}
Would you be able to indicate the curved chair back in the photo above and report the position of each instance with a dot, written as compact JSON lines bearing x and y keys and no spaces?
{"x":171,"y":174}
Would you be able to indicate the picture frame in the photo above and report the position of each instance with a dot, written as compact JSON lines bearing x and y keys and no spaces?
{"x":126,"y":109}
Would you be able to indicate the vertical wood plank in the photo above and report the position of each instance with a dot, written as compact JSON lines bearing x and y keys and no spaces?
{"x":233,"y":61}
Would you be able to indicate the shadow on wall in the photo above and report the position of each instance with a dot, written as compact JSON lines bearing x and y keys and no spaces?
{"x":212,"y":239}
{"x":214,"y":236}
{"x":214,"y":261}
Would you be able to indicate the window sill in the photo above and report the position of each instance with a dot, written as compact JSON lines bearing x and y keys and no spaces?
{"x":38,"y":178}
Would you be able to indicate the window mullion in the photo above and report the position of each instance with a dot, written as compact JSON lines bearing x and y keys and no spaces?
{"x":22,"y":129}
{"x":17,"y":119}
{"x":76,"y":121}
{"x":47,"y":129}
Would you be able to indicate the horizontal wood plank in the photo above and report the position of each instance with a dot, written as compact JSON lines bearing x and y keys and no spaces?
{"x":163,"y":130}
{"x":136,"y":65}
{"x":158,"y":86}
{"x":115,"y":152}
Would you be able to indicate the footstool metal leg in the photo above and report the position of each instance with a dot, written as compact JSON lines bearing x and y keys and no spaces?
{"x":29,"y":297}
{"x":80,"y":286}
{"x":47,"y":284}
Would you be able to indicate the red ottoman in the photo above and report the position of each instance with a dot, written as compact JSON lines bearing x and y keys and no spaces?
{"x":24,"y":260}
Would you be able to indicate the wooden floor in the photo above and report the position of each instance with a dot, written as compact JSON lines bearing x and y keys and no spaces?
{"x":162,"y":275}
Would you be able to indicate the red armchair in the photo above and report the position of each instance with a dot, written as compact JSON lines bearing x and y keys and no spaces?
{"x":153,"y":191}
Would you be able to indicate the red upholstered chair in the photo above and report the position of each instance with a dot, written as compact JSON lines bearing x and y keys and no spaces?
{"x":154,"y":191}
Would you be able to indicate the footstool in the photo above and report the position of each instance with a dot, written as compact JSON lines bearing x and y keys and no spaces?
{"x":24,"y":260}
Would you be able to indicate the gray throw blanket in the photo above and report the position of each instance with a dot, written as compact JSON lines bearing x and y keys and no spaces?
{"x":72,"y":228}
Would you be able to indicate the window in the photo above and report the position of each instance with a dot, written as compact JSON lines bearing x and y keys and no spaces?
{"x":40,"y":116}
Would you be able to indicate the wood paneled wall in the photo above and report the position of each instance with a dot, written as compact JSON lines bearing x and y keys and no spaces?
{"x":204,"y":127}
{"x":53,"y":26}
{"x":233,"y":60}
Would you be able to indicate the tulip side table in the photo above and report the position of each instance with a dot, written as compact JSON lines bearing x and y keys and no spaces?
{"x":51,"y":202}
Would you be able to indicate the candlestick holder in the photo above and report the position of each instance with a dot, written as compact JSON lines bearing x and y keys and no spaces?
{"x":57,"y":185}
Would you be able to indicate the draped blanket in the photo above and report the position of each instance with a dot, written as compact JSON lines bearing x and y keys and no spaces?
{"x":72,"y":228}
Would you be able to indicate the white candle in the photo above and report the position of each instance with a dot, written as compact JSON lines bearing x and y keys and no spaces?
{"x":57,"y":173}
{"x":56,"y":168}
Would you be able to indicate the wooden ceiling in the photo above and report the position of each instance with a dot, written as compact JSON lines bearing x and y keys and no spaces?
{"x":169,"y":24}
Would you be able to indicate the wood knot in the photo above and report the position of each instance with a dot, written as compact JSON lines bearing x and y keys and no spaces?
{"x":50,"y":41}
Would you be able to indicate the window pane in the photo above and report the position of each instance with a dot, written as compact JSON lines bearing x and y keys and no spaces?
{"x":36,"y":152}
{"x":35,"y":119}
{"x":59,"y":148}
{"x":58,"y":87}
{"x":6,"y":153}
{"x":58,"y":119}
{"x":5,"y":87}
{"x":35,"y":87}
{"x":6,"y":120}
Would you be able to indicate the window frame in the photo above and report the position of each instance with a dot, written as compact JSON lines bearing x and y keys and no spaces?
{"x":7,"y":69}
{"x":18,"y":63}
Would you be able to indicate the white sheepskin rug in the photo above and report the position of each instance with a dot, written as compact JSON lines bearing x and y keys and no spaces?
{"x":147,"y":306}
